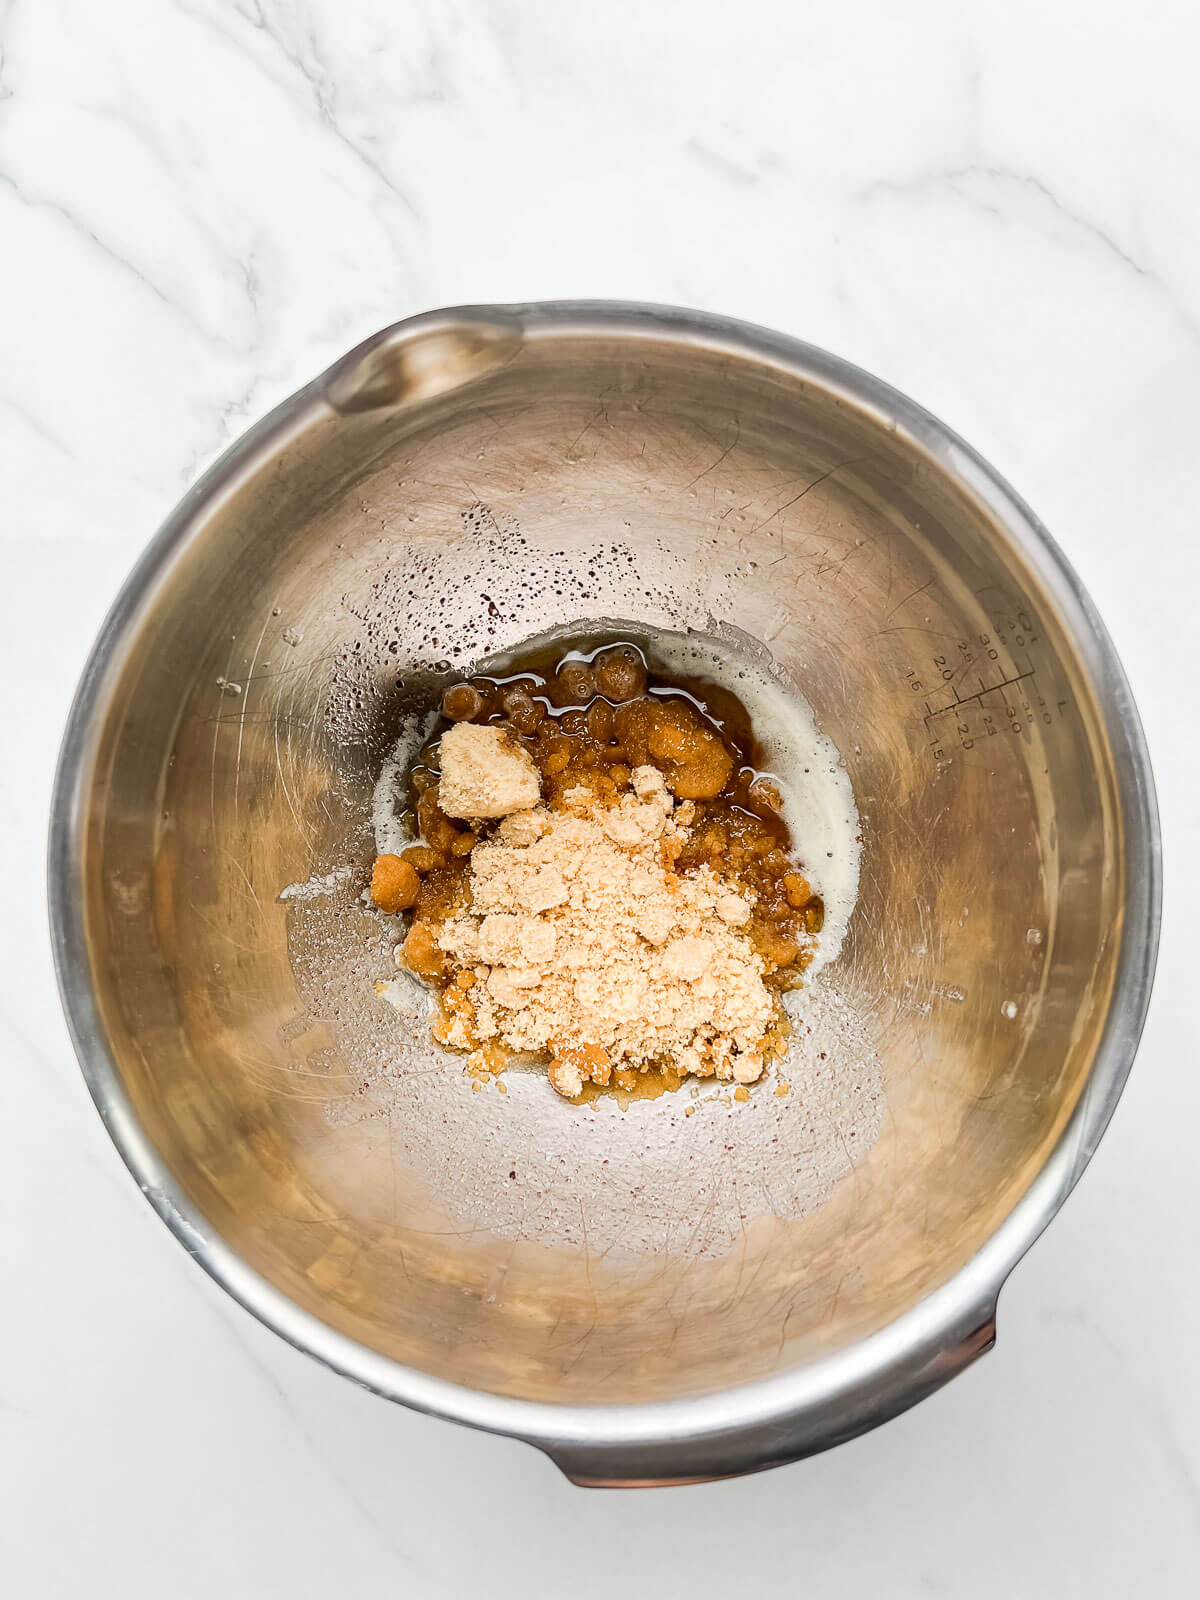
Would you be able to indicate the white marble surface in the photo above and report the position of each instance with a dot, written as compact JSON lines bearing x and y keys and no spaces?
{"x":201,"y":203}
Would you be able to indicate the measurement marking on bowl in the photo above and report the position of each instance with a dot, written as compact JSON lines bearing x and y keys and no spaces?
{"x":1004,"y":646}
{"x":966,"y":699}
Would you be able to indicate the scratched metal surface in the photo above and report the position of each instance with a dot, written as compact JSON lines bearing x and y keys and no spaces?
{"x":576,"y":478}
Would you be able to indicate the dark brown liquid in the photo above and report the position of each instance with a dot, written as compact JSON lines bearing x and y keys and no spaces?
{"x":718,"y":708}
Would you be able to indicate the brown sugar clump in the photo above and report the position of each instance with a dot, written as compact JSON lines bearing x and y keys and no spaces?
{"x":421,"y":953}
{"x":394,"y":884}
{"x":485,"y":773}
{"x":573,"y":1065}
{"x":585,"y":946}
{"x":624,"y":902}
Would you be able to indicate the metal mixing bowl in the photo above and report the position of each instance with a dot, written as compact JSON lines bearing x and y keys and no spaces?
{"x":499,"y":471}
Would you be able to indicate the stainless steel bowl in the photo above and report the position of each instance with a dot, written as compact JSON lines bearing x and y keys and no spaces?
{"x":499,"y":464}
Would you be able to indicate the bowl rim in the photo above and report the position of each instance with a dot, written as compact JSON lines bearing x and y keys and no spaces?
{"x":772,"y":1419}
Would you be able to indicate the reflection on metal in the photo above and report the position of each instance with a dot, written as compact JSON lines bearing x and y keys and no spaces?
{"x":995,"y":754}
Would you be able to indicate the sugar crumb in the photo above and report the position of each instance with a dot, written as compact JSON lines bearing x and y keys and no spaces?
{"x":587,"y":946}
{"x":485,"y":773}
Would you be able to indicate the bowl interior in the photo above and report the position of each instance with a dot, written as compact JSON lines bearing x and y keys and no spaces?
{"x":515,"y":1244}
